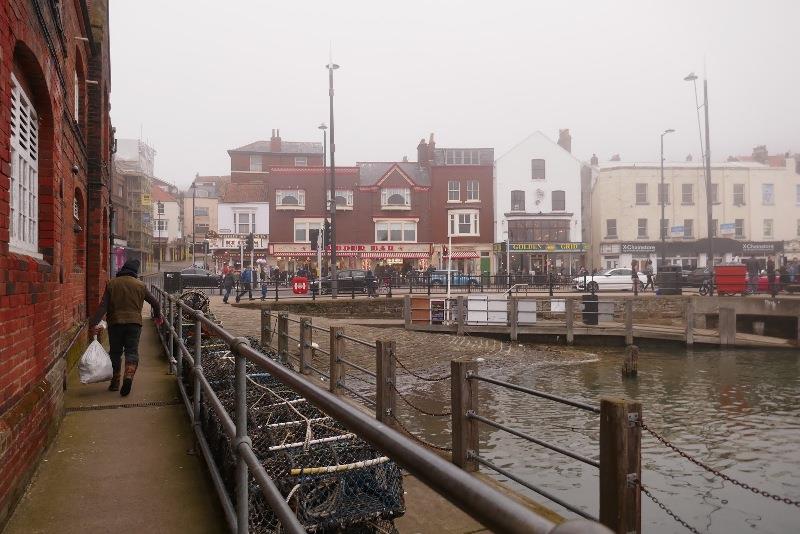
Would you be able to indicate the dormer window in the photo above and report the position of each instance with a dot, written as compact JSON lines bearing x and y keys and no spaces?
{"x":290,"y":199}
{"x":396,"y":198}
{"x":344,"y":199}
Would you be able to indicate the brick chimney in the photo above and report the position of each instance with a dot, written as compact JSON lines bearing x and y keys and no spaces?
{"x":760,"y":154}
{"x":275,"y":141}
{"x":616,"y":157}
{"x":594,"y":161}
{"x":422,"y":152}
{"x":565,"y":140}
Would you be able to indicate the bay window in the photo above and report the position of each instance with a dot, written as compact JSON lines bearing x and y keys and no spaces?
{"x":290,"y":198}
{"x":463,"y":223}
{"x":396,"y":198}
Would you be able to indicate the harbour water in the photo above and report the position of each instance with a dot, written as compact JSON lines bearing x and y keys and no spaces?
{"x":737,"y":410}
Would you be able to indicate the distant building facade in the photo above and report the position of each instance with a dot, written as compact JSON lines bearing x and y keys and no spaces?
{"x":200,"y":207}
{"x":167,"y":219}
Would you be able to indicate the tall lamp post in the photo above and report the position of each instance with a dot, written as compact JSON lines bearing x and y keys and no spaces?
{"x":692,"y":77}
{"x":334,"y":282}
{"x":663,"y":196}
{"x":159,"y":209}
{"x":194,"y":196}
{"x":321,"y":244}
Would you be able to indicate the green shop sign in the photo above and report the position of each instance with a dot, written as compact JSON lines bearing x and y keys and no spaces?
{"x":541,"y":247}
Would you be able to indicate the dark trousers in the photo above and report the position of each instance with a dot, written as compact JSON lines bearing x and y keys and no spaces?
{"x":124,"y":338}
{"x":650,"y":282}
{"x":227,"y":293}
{"x":246,"y":288}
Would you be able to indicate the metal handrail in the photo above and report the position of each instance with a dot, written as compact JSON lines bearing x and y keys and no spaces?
{"x":356,"y":366}
{"x":486,"y":504}
{"x":356,"y":340}
{"x":536,"y":393}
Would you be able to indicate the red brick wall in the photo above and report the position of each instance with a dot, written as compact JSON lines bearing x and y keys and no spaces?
{"x":241,"y":161}
{"x":440,"y":175}
{"x":43,"y":300}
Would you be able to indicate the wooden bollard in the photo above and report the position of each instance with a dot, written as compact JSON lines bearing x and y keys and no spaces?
{"x":464,"y":399}
{"x":630,"y":366}
{"x":620,"y":465}
{"x":385,"y":408}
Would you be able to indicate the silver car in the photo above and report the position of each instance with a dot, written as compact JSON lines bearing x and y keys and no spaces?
{"x":613,"y":279}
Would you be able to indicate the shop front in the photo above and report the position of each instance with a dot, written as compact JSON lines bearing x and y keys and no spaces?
{"x":467,"y":259}
{"x":378,"y":257}
{"x":540,"y":258}
{"x":230,"y":250}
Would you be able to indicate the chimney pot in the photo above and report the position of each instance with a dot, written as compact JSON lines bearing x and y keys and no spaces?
{"x":565,"y":140}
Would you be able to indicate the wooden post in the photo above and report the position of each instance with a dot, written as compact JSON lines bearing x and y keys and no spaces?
{"x":688,"y":312}
{"x":306,"y":334}
{"x":385,"y":381}
{"x":727,"y":326}
{"x":630,"y":367}
{"x":629,"y":321}
{"x":283,"y":337}
{"x":569,"y":318}
{"x":513,"y":317}
{"x":464,"y":399}
{"x":266,"y":327}
{"x":337,"y":370}
{"x":407,"y":310}
{"x":620,"y":465}
{"x":461,"y":315}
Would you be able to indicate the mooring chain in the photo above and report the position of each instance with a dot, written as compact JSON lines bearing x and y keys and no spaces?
{"x":695,"y":461}
{"x":415,"y":375}
{"x":419,"y":439}
{"x":667,"y":511}
{"x":417,"y":408}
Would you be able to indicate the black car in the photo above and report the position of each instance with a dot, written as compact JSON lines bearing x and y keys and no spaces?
{"x":698,"y":276}
{"x":348,"y":281}
{"x":200,"y":278}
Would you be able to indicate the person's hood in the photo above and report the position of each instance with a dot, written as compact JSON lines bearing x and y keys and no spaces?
{"x":130,"y":268}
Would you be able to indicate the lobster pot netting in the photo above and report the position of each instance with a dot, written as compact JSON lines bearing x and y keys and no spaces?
{"x":334,"y":481}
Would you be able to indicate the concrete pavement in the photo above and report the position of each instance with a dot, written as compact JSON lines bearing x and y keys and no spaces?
{"x":120,"y":464}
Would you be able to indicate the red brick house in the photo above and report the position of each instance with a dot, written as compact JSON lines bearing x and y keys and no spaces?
{"x":55,"y":153}
{"x":252,"y":162}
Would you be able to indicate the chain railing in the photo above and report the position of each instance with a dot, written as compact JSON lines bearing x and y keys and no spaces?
{"x":483,"y":502}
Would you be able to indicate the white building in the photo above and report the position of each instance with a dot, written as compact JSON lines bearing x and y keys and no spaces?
{"x":243,"y":209}
{"x":538,"y":206}
{"x":167,"y":225}
{"x":755,"y":212}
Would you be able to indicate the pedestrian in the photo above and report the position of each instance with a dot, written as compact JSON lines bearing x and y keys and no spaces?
{"x":370,"y":281}
{"x":263,"y":278}
{"x":122,"y":306}
{"x":246,"y":281}
{"x":773,"y":290}
{"x":648,"y":271}
{"x":635,"y":276}
{"x":228,"y":281}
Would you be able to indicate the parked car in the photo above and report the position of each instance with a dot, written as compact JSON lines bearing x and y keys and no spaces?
{"x":439,"y":278}
{"x":348,"y":281}
{"x":197,"y":277}
{"x":698,"y":276}
{"x":615,"y":279}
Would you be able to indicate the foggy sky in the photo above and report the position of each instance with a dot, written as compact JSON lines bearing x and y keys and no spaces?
{"x":199,"y":77}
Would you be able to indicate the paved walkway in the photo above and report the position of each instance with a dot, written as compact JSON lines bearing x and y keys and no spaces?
{"x":116,"y":467}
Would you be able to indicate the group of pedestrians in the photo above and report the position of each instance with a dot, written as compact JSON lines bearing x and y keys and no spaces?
{"x":248,"y":280}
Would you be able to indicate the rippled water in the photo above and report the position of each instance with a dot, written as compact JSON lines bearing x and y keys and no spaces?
{"x":738,"y":411}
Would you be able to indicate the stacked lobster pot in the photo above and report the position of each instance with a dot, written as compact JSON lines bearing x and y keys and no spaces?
{"x":333,"y":480}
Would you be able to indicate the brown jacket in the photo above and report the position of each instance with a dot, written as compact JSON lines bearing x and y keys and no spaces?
{"x":122,"y":302}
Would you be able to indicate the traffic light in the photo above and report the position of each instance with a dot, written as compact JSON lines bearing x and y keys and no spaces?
{"x":313,"y":236}
{"x":326,"y":239}
{"x":249,"y":243}
{"x":445,"y":251}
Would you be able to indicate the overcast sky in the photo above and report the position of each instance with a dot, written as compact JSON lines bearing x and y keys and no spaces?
{"x":199,"y":77}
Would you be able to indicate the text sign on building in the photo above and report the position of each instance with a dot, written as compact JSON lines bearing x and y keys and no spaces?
{"x":727,"y":229}
{"x":546,"y":247}
{"x":638,"y":248}
{"x":676,"y":231}
{"x":762,"y":247}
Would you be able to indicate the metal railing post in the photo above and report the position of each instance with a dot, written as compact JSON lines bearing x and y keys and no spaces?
{"x":464,"y":401}
{"x":242,"y":440}
{"x":384,"y":381}
{"x":337,"y":370}
{"x":283,"y":337}
{"x":266,"y":327}
{"x":306,"y":335}
{"x":353,"y":287}
{"x":198,"y":367}
{"x":276,"y":290}
{"x":177,"y":324}
{"x":170,"y":322}
{"x":620,"y":465}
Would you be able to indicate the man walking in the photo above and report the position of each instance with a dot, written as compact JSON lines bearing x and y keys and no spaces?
{"x":263,"y":278}
{"x":773,"y":290}
{"x":122,"y":306}
{"x":227,"y":283}
{"x":648,"y":270}
{"x":246,"y":281}
{"x":370,"y":281}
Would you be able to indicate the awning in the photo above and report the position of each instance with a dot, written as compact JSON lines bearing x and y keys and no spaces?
{"x":312,"y":254}
{"x":396,"y":255}
{"x":464,"y":254}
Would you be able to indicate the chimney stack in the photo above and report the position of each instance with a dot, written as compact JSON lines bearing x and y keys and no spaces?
{"x":616,"y":157}
{"x":594,"y":161}
{"x":422,"y":152}
{"x":760,"y":154}
{"x":275,"y":141}
{"x":565,"y":140}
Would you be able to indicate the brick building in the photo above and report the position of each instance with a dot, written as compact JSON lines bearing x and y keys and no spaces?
{"x":55,"y":145}
{"x":251,"y":161}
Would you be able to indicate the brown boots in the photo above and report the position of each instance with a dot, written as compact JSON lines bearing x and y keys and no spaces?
{"x":114,"y":385}
{"x":127,"y":382}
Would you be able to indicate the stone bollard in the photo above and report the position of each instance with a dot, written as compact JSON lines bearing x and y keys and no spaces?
{"x":630,"y":366}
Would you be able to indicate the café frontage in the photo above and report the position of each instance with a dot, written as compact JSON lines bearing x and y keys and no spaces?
{"x":292,"y":256}
{"x":540,"y":258}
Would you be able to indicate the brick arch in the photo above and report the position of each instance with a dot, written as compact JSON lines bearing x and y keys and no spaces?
{"x":30,"y":75}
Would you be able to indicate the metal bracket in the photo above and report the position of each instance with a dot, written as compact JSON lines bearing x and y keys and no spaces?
{"x":631,"y":480}
{"x":633,"y":419}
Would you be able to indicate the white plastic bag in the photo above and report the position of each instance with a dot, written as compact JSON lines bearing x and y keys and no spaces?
{"x":95,"y":364}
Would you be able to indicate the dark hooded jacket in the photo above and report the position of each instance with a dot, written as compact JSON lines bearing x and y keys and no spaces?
{"x":123,"y":298}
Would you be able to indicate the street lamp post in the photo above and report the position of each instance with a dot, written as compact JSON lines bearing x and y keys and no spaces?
{"x":663,"y":196}
{"x":159,"y":209}
{"x":194,"y":196}
{"x":692,"y":77}
{"x":321,"y":244}
{"x":334,"y":282}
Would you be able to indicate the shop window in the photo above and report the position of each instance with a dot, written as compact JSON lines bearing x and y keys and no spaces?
{"x":518,"y":201}
{"x":395,"y":232}
{"x":738,"y":195}
{"x":611,"y":228}
{"x":641,"y":193}
{"x":537,"y":169}
{"x":256,"y":163}
{"x":453,"y":191}
{"x":24,"y":186}
{"x":290,"y":198}
{"x":396,"y":198}
{"x":559,"y":200}
{"x":473,"y":191}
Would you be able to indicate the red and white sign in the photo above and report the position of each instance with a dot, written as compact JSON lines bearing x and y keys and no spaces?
{"x":372,"y":250}
{"x":299,"y":285}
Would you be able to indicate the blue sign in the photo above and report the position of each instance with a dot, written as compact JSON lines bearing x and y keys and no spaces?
{"x":676,"y":231}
